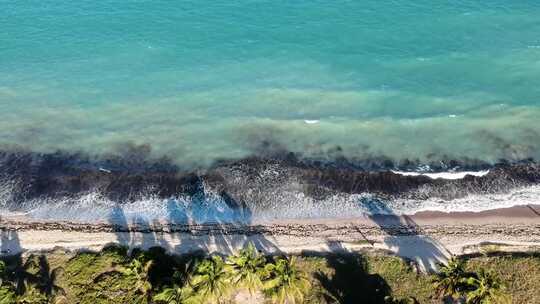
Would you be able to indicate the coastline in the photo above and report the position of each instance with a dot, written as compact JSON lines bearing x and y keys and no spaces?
{"x":426,"y":238}
{"x":270,"y":152}
{"x":79,"y":203}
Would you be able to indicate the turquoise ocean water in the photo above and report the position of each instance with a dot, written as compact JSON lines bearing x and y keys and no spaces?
{"x":204,"y":80}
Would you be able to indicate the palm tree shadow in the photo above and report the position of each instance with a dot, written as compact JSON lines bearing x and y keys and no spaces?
{"x":406,"y":238}
{"x":33,"y":270}
{"x":196,"y":222}
{"x":9,"y":243}
{"x":224,"y":219}
{"x":533,"y":210}
{"x":37,"y":272}
{"x":119,"y":222}
{"x":351,"y":281}
{"x":11,"y":253}
{"x":49,"y":277}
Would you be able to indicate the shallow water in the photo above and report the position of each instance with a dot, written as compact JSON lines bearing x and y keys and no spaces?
{"x":204,"y":80}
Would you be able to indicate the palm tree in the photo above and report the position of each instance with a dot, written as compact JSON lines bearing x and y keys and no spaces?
{"x":139,"y":269}
{"x":247,"y":268}
{"x":211,"y":280}
{"x":286,"y":283}
{"x":485,"y":288}
{"x":449,"y":279}
{"x":7,"y":294}
{"x":175,"y":295}
{"x":7,"y":291}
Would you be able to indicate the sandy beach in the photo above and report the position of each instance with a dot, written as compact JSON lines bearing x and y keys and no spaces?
{"x":426,"y":238}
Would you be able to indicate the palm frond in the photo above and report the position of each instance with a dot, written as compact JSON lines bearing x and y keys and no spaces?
{"x":287,"y":284}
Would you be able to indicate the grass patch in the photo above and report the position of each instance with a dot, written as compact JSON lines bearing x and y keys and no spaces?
{"x":364,"y":279}
{"x":520,"y":274}
{"x":402,"y":278}
{"x":94,"y":278}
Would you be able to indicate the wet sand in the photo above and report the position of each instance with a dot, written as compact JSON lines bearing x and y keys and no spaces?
{"x":426,"y":238}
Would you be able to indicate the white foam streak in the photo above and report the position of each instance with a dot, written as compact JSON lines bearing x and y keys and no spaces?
{"x":7,"y":188}
{"x":471,"y":203}
{"x":444,"y":175}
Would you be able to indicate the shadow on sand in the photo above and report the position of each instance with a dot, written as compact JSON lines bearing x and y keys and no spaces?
{"x":9,"y":243}
{"x":198,"y":223}
{"x":32,"y":272}
{"x":533,"y":209}
{"x":406,"y":239}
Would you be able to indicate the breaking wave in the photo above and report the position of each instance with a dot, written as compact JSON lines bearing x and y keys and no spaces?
{"x":67,"y":187}
{"x":212,"y":208}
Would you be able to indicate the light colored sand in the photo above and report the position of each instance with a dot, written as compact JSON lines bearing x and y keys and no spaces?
{"x":433,"y":238}
{"x":424,"y":250}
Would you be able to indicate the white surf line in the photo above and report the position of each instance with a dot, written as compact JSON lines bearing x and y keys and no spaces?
{"x":310,"y":122}
{"x":444,"y":175}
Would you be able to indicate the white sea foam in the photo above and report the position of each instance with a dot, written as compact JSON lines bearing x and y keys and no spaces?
{"x":444,"y":175}
{"x":367,"y":204}
{"x":94,"y":208}
{"x":7,"y":188}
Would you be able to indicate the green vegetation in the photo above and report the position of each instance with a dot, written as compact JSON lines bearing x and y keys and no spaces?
{"x":286,"y":283}
{"x":248,"y":269}
{"x":174,"y":295}
{"x":138,"y":271}
{"x":114,"y":276}
{"x":483,"y":287}
{"x":7,"y":292}
{"x":449,"y":280}
{"x":211,"y":280}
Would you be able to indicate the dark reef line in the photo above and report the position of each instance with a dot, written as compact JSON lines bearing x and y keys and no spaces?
{"x":134,"y":175}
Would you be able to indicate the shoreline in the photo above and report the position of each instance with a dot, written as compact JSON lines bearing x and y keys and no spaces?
{"x":521,"y":214}
{"x":426,"y":238}
{"x":74,"y":188}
